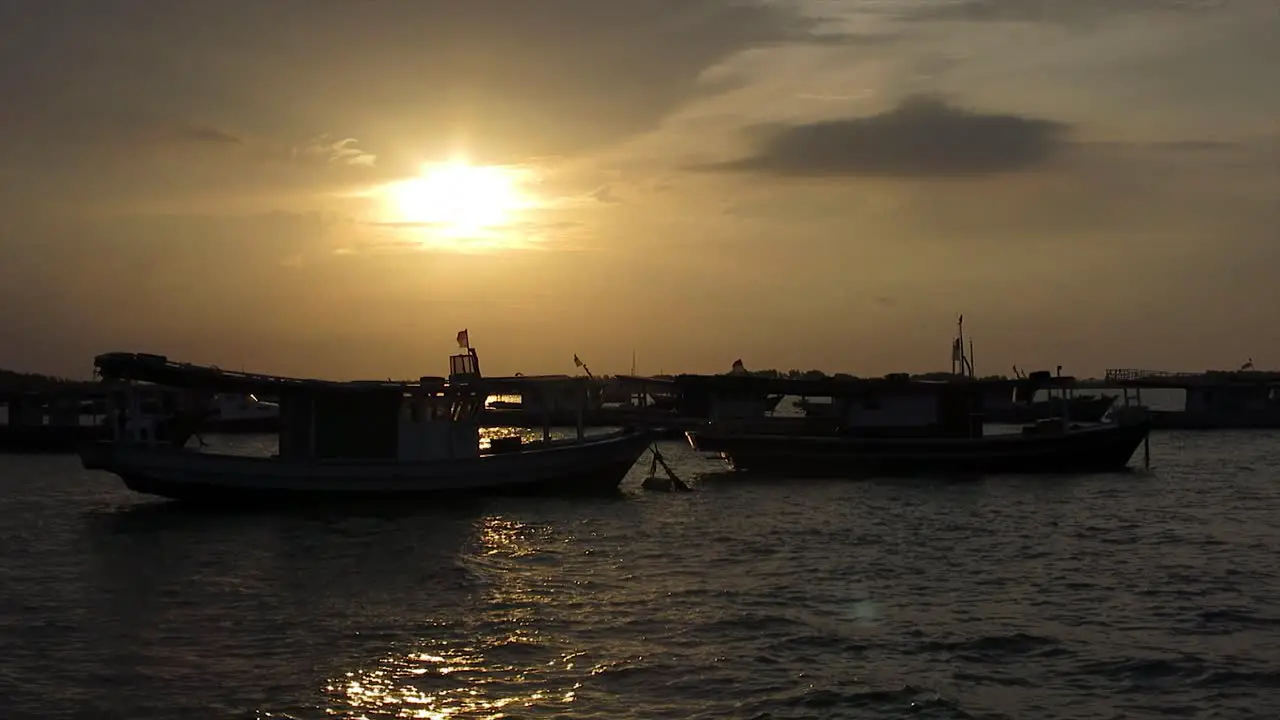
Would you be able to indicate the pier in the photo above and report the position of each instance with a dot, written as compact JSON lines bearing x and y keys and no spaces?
{"x":50,"y":421}
{"x":1215,"y":399}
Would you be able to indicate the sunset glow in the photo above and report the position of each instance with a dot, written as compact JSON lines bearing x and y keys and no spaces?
{"x":1093,"y":183}
{"x":458,"y":198}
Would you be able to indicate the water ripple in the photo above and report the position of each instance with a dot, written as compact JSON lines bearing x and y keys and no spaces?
{"x":1145,"y":595}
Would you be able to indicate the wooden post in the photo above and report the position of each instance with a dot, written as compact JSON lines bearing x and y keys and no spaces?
{"x":311,"y":427}
{"x":546,"y":414}
{"x":583,"y":397}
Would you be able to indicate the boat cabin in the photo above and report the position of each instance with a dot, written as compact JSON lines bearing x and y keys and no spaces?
{"x":381,"y":422}
{"x":687,"y":396}
{"x":894,"y":405}
{"x":432,"y":418}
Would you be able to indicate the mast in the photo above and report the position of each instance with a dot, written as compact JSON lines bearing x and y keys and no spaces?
{"x":961,"y":362}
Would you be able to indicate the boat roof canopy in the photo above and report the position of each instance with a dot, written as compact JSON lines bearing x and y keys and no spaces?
{"x":1154,"y":379}
{"x":160,"y":370}
{"x":643,"y":380}
{"x":832,"y":387}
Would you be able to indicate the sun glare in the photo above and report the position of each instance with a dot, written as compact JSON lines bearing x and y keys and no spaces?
{"x":458,"y":198}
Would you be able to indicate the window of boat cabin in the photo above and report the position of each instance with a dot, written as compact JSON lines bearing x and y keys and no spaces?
{"x":468,"y":405}
{"x":465,"y":365}
{"x":431,"y":408}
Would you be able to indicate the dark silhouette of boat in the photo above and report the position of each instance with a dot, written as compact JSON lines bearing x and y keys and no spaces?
{"x":1075,"y":449}
{"x":60,"y":421}
{"x":1078,"y":408}
{"x":897,"y":426}
{"x":355,"y":440}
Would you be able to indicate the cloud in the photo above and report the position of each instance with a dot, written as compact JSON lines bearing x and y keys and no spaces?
{"x":510,"y":77}
{"x":134,"y":103}
{"x":605,"y":194}
{"x":922,"y":137}
{"x":335,"y":152}
{"x":1072,"y":11}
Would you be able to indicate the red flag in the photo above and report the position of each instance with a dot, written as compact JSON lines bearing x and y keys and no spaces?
{"x":463,"y":340}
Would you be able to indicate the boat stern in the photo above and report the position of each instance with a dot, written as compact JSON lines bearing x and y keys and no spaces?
{"x":704,"y":440}
{"x":96,"y":455}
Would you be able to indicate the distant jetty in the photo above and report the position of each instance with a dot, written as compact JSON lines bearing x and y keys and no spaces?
{"x":1215,"y":399}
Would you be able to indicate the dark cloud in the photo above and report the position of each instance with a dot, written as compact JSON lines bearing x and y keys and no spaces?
{"x":922,"y":137}
{"x":1064,"y":11}
{"x":1186,"y":146}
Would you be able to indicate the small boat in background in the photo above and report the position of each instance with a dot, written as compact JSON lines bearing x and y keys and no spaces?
{"x":242,"y":413}
{"x":49,"y":422}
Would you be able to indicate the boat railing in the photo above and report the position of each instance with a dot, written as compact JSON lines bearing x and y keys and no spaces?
{"x":160,"y":370}
{"x":1131,"y":374}
{"x":1189,"y":379}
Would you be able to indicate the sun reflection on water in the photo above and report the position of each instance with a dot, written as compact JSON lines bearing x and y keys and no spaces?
{"x":501,"y":659}
{"x":443,"y":683}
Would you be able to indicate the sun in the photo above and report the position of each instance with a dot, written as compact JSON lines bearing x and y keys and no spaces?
{"x":458,"y":198}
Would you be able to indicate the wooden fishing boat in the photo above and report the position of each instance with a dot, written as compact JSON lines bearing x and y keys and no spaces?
{"x":897,"y":426}
{"x":347,"y":440}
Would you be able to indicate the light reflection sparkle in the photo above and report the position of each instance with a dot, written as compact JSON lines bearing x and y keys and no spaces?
{"x":493,"y":668}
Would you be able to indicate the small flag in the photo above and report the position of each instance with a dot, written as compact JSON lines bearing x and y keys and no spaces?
{"x":956,"y":351}
{"x":463,"y":340}
{"x":578,"y":361}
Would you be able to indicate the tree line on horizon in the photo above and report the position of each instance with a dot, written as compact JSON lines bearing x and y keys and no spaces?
{"x":12,"y":381}
{"x":797,"y":374}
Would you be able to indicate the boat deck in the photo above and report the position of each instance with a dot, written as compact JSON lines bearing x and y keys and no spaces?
{"x":160,"y":370}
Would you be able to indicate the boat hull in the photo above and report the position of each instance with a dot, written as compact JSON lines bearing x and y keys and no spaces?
{"x":46,"y":439}
{"x":1088,"y":409}
{"x":593,"y":467}
{"x":1101,"y":449}
{"x":241,"y":425}
{"x":1184,"y":420}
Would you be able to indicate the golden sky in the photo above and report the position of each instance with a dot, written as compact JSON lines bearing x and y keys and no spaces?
{"x":335,"y":188}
